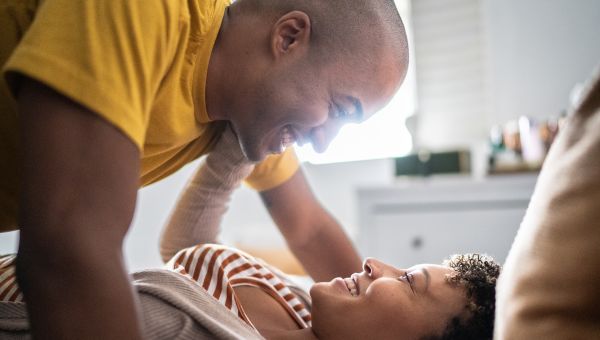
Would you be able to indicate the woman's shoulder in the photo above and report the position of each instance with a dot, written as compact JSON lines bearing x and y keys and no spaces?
{"x":207,"y":252}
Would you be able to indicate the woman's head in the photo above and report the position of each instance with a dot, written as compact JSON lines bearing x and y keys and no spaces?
{"x":450,"y":301}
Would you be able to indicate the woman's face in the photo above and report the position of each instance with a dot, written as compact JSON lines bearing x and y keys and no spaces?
{"x":384,"y":302}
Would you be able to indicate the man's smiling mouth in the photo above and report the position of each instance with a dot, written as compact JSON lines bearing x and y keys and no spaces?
{"x":286,"y":138}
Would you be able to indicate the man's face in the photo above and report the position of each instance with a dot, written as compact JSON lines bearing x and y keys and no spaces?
{"x":304,"y":103}
{"x":384,"y":302}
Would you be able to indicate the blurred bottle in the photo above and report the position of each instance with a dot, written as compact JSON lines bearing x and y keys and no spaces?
{"x":533,"y":149}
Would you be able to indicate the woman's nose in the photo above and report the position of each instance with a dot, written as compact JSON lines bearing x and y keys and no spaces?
{"x":373,"y":267}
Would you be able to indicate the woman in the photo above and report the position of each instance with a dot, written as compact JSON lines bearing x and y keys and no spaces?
{"x":450,"y":301}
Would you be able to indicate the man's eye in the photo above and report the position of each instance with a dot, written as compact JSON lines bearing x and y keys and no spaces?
{"x":340,"y":112}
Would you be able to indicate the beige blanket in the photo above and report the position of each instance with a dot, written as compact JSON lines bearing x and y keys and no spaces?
{"x":172,"y":307}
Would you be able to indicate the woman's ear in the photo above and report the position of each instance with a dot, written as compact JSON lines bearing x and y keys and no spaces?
{"x":291,"y":33}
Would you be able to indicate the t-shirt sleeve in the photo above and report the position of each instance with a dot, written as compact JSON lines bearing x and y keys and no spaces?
{"x":107,"y":55}
{"x":273,"y":171}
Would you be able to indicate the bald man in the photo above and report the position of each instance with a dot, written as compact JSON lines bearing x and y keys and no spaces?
{"x":100,"y":97}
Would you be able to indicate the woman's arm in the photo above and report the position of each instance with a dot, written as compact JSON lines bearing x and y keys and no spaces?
{"x":198,"y":213}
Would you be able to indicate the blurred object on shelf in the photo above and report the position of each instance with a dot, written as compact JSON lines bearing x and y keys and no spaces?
{"x":425,"y":163}
{"x":521,"y":145}
{"x":532,"y":146}
{"x":548,"y":131}
{"x":512,"y":136}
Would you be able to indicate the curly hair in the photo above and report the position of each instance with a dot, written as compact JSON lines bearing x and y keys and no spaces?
{"x":478,"y":274}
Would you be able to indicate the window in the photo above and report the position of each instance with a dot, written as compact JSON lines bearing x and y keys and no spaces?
{"x":384,"y":134}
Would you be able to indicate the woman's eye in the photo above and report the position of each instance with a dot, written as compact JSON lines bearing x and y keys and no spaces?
{"x":409,"y":279}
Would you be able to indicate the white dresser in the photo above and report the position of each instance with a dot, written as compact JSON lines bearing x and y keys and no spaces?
{"x":425,"y":220}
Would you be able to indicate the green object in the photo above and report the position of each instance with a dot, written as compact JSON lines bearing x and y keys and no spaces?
{"x":425,"y":163}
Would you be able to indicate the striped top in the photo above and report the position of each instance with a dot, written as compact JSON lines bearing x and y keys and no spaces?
{"x":9,"y":291}
{"x":218,"y":269}
{"x":215,"y":268}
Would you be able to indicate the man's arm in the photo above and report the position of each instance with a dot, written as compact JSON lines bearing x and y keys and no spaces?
{"x":79,"y":179}
{"x":313,"y":235}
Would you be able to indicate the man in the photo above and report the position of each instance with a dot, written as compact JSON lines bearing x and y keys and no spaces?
{"x":111,"y":93}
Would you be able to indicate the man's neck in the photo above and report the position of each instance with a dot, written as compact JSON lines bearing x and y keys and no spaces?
{"x":213,"y":90}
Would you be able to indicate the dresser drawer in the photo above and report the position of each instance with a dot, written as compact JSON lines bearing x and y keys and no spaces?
{"x":426,"y":222}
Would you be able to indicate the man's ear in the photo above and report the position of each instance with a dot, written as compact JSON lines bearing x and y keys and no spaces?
{"x":290,"y":33}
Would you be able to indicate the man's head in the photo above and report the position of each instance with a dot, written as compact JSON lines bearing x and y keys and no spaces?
{"x":451,"y":301}
{"x":297,"y":70}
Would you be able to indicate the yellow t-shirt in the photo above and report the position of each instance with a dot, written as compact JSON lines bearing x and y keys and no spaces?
{"x":139,"y":64}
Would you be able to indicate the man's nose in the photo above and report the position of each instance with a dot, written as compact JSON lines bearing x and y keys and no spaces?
{"x":319,"y":140}
{"x":322,"y":135}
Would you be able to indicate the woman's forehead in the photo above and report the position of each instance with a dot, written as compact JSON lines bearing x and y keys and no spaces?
{"x":432,"y":268}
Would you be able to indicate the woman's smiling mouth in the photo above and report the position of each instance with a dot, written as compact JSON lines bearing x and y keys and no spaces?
{"x":352,"y":285}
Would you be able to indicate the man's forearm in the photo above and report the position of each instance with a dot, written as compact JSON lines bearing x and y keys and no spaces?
{"x":327,"y":253}
{"x":77,"y":292}
{"x":79,"y":179}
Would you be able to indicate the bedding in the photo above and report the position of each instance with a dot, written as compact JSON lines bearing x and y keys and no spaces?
{"x":171,"y":308}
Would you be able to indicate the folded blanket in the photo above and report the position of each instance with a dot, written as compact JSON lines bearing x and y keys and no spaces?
{"x":172,"y":307}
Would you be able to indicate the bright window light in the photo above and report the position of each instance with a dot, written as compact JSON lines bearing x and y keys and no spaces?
{"x":383,"y":135}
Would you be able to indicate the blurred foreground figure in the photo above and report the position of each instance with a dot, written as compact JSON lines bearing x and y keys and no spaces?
{"x":549,"y":286}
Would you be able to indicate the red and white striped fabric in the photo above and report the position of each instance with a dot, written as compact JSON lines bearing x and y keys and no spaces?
{"x":215,"y":268}
{"x":9,"y":291}
{"x":218,"y":269}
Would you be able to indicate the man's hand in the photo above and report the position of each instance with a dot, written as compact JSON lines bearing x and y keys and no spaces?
{"x":79,"y":179}
{"x":313,"y":235}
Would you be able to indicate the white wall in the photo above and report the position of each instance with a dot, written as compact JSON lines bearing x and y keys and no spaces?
{"x":538,"y":50}
{"x":484,"y":62}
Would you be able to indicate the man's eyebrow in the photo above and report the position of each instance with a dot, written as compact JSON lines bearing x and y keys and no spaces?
{"x":427,"y":278}
{"x":358,"y":107}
